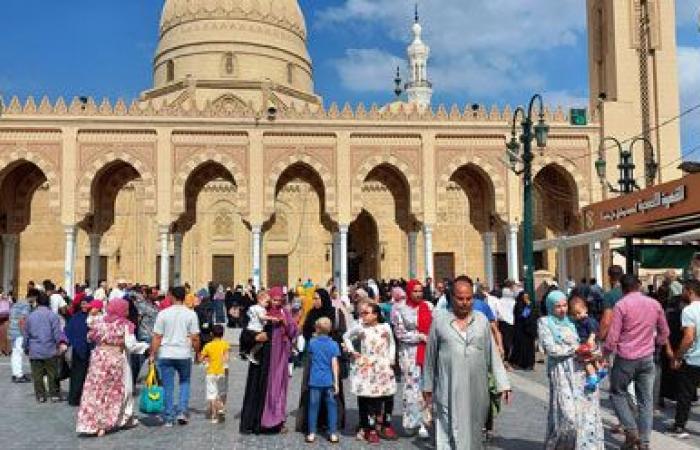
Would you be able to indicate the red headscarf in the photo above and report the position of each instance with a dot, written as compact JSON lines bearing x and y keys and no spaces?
{"x":425,"y":317}
{"x":118,"y":312}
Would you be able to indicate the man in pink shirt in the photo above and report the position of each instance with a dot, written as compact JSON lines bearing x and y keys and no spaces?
{"x":638,"y":326}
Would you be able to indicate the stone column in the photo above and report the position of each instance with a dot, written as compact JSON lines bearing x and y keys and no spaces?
{"x":164,"y":232}
{"x":428,"y":236}
{"x":412,"y":254}
{"x":256,"y":231}
{"x":595,"y":250}
{"x":95,"y":240}
{"x":344,"y":259}
{"x":336,"y":260}
{"x":177,"y":260}
{"x":512,"y":251}
{"x":69,"y":262}
{"x":489,"y":238}
{"x":9,"y":246}
{"x":562,"y":266}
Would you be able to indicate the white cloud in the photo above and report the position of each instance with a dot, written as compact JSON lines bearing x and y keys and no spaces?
{"x":565,"y":99}
{"x":478,"y":46}
{"x":367,"y":70}
{"x":689,"y":80}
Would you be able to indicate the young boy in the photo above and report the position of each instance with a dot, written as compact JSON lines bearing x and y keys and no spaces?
{"x":257,"y":319}
{"x":323,"y":379}
{"x":215,"y":354}
{"x":589,"y":352}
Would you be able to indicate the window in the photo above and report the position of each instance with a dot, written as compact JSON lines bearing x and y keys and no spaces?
{"x":229,"y":64}
{"x":290,"y":73}
{"x":169,"y":70}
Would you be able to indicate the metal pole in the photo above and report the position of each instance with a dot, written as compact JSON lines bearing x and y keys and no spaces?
{"x":528,"y":246}
{"x":627,"y":167}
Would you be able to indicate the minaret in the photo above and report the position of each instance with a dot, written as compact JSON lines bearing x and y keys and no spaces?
{"x":418,"y":89}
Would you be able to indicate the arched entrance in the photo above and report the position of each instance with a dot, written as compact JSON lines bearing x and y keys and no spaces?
{"x":210,"y":241}
{"x":555,"y":212}
{"x":298,"y":239}
{"x":19,"y":182}
{"x":364,"y":250}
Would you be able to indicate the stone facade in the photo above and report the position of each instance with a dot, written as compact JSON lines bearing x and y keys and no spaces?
{"x":193,"y":169}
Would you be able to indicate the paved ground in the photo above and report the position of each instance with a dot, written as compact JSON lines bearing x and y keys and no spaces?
{"x":24,"y":424}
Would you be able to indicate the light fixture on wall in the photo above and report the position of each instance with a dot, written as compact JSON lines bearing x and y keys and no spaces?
{"x":383,"y":250}
{"x":118,"y":255}
{"x":328,"y":252}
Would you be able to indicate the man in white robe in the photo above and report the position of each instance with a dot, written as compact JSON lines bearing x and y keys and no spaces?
{"x":460,"y":354}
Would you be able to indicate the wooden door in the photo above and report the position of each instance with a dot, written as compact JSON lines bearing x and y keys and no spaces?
{"x":103,"y":270}
{"x":277,"y":270}
{"x":444,"y":265}
{"x":222,"y":270}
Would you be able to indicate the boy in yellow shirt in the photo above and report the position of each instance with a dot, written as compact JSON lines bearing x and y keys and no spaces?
{"x":216,"y":354}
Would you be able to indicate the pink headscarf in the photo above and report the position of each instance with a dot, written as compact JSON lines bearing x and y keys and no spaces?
{"x":398,"y":294}
{"x":118,"y":312}
{"x":276,"y":292}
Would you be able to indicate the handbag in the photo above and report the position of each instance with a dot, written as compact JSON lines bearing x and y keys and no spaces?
{"x":151,"y":399}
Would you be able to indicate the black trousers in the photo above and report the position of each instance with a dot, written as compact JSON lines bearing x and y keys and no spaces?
{"x":78,"y":373}
{"x":687,"y":380}
{"x":45,"y":367}
{"x":370,"y":408}
{"x":507,"y":333}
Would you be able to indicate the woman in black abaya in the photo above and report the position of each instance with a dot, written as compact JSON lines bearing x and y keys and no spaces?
{"x":525,"y":319}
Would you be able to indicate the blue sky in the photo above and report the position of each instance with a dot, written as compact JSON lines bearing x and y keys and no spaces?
{"x":486,"y":51}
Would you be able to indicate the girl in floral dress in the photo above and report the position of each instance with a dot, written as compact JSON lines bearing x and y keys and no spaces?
{"x":372,"y":375}
{"x":412,"y":320}
{"x":107,"y":403}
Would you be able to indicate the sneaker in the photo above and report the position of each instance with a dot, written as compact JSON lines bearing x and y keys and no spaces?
{"x":372,"y":437}
{"x":388,"y":433}
{"x":14,"y":379}
{"x":360,"y":436}
{"x":41,"y":399}
{"x":169,"y":424}
{"x":423,"y":432}
{"x":56,"y":399}
{"x":214,"y":420}
{"x":24,"y":379}
{"x":182,"y":419}
{"x":678,"y":432}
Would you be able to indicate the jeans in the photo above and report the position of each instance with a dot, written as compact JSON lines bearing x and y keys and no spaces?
{"x":17,"y":356}
{"x":688,"y":379}
{"x":167,"y":368}
{"x":326,"y":394}
{"x":642,"y":372}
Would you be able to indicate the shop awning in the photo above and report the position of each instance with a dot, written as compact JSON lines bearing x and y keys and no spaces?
{"x":687,"y":236}
{"x":577,"y":240}
{"x":662,"y":256}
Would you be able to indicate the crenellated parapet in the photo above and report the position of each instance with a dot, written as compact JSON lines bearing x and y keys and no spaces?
{"x":224,"y":107}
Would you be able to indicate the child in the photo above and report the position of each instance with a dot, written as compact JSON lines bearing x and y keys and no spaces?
{"x":215,"y":354}
{"x":588,"y":352}
{"x":257,"y":319}
{"x":323,"y":379}
{"x":95,"y":314}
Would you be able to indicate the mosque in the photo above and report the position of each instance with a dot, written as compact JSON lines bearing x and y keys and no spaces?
{"x":232,"y":167}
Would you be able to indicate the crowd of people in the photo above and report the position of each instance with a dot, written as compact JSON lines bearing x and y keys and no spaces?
{"x":444,"y":350}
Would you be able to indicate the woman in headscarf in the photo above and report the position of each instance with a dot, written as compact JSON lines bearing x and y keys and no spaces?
{"x":107,"y":403}
{"x":525,"y":333}
{"x":411,"y":320}
{"x":574,"y":420}
{"x":219,"y":304}
{"x":265,"y":399}
{"x":322,"y":307}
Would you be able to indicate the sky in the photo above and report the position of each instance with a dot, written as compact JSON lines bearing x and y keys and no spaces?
{"x":483,"y":51}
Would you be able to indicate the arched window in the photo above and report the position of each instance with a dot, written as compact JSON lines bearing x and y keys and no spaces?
{"x":290,"y":73}
{"x":169,"y":70}
{"x":229,"y":64}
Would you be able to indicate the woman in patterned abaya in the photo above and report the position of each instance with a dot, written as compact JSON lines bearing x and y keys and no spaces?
{"x":265,"y":399}
{"x":411,"y":321}
{"x":574,"y":420}
{"x":107,"y":403}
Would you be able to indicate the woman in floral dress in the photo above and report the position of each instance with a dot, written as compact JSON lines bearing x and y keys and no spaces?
{"x":372,"y":375}
{"x":412,"y":320}
{"x":107,"y":403}
{"x":574,"y":420}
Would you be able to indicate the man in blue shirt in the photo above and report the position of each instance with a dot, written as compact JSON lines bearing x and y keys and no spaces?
{"x":18,"y":316}
{"x":42,"y":336}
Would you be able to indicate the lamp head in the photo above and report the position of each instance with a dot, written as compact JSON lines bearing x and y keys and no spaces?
{"x":541,"y":133}
{"x":600,"y":168}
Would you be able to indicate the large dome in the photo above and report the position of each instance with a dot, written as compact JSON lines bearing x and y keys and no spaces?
{"x":233,"y":42}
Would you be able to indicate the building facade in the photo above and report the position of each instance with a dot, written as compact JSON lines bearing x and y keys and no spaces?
{"x":231,"y":167}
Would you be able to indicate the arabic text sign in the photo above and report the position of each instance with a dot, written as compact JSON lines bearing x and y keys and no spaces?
{"x":658,"y":200}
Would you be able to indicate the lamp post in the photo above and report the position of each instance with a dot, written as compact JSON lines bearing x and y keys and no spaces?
{"x":626,"y":182}
{"x":530,"y":131}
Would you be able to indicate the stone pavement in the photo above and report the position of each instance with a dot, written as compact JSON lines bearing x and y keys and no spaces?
{"x":24,"y":424}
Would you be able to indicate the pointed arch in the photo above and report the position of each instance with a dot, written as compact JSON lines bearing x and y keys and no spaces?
{"x":567,"y":167}
{"x":48,"y":168}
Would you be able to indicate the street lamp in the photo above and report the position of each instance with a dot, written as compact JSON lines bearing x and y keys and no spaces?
{"x":626,"y":182}
{"x":539,"y":132}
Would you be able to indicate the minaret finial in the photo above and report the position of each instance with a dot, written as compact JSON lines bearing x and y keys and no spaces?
{"x":417,"y":17}
{"x":397,"y":82}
